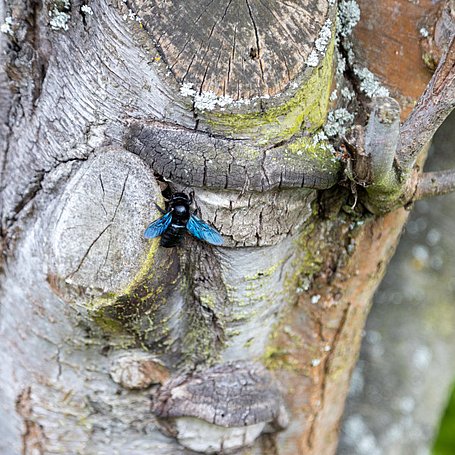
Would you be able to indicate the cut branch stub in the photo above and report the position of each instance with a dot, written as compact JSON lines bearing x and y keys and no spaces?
{"x":391,"y":186}
{"x":240,"y":48}
{"x":193,"y":158}
{"x":261,"y":70}
{"x":381,"y":138}
{"x":376,"y":163}
{"x":96,"y":241}
{"x":233,"y":395}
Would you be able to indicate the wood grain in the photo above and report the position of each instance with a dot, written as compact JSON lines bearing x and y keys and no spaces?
{"x":235,"y":48}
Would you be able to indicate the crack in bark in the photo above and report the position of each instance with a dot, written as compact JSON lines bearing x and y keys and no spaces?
{"x":256,"y":34}
{"x":32,"y":192}
{"x":84,"y":257}
{"x":326,"y":370}
{"x":350,"y":75}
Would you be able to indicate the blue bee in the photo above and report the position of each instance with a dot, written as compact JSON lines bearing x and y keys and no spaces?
{"x":176,"y":220}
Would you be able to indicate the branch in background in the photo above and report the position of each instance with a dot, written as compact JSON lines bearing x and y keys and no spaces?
{"x":436,"y":103}
{"x":434,"y":184}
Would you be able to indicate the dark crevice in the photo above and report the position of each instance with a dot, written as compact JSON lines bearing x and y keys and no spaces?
{"x":258,"y":44}
{"x":354,"y":81}
{"x":30,"y":194}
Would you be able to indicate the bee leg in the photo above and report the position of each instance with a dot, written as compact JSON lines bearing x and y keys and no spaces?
{"x":192,"y":197}
{"x":162,"y":211}
{"x":191,"y":203}
{"x":197,"y":209}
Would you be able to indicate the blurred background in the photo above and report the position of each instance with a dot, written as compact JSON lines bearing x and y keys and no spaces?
{"x":400,"y":401}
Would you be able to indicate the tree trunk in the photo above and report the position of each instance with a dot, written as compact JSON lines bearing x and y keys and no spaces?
{"x":113,"y":344}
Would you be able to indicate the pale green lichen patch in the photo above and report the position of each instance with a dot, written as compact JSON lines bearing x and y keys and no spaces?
{"x":6,"y":27}
{"x":147,"y":267}
{"x":315,"y":151}
{"x":275,"y":358}
{"x":59,"y":14}
{"x":306,"y":110}
{"x":264,"y":273}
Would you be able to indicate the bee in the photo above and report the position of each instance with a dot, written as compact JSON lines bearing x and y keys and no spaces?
{"x":177,"y":220}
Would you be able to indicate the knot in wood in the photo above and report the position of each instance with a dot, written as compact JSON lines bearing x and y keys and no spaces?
{"x":137,"y":370}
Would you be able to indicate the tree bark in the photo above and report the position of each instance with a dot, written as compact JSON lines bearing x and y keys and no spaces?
{"x":112,"y":344}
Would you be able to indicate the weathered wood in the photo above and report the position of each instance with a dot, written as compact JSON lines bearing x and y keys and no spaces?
{"x":193,"y":158}
{"x":229,"y":395}
{"x":107,"y":200}
{"x":238,"y":48}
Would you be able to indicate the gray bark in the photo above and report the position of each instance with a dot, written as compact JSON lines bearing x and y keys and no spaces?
{"x":115,"y":345}
{"x":82,"y":290}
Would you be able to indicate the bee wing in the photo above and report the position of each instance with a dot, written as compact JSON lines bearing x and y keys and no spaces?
{"x":203,"y":231}
{"x":158,"y":226}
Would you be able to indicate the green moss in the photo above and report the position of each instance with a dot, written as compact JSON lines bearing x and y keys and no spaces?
{"x":275,"y":358}
{"x":314,"y":155}
{"x":135,"y":311}
{"x":242,"y":317}
{"x":263,"y":273}
{"x":392,"y":191}
{"x":385,"y":196}
{"x":208,"y":301}
{"x":309,"y":261}
{"x":307,"y":108}
{"x":314,"y":249}
{"x":146,"y":269}
{"x":198,"y":343}
{"x":248,"y":343}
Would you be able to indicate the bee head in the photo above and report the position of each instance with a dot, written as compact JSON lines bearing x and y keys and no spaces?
{"x":180,"y":198}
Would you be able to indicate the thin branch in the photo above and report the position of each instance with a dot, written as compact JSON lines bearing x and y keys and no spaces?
{"x":434,"y":184}
{"x":436,"y":103}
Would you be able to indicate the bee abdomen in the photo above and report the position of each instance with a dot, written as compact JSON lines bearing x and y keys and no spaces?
{"x":173,"y":236}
